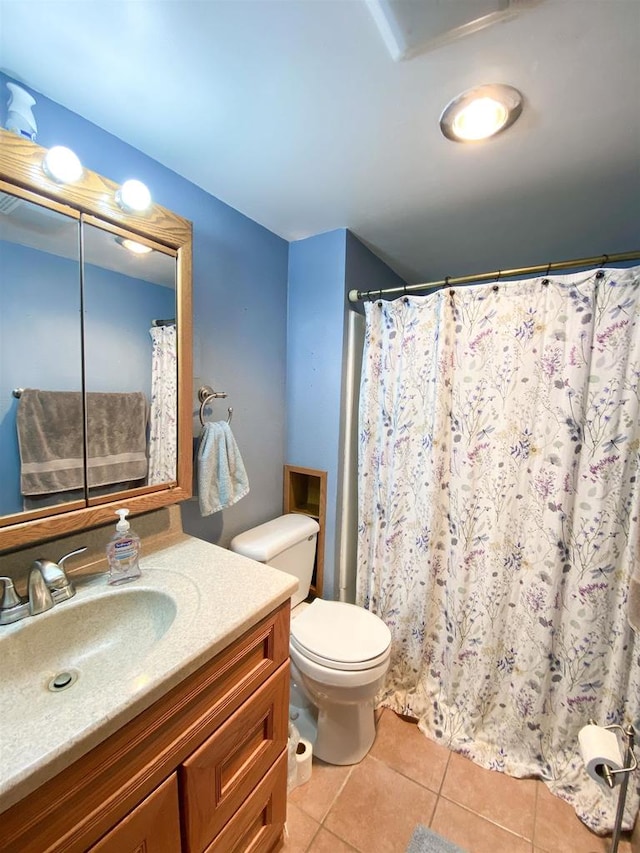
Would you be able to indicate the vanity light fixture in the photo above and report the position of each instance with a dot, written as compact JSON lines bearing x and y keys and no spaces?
{"x":133,"y":246}
{"x":62,"y":165}
{"x":481,"y":112}
{"x":133,"y":197}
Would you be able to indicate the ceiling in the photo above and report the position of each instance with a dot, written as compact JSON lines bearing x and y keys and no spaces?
{"x":295,"y":113}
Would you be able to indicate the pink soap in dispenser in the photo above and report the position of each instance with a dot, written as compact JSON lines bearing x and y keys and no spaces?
{"x":123,"y":552}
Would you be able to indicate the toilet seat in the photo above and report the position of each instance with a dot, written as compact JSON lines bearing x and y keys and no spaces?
{"x":341,"y":636}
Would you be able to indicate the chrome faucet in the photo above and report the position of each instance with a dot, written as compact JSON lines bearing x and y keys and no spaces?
{"x":48,"y":584}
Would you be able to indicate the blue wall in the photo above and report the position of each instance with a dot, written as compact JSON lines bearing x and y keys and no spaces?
{"x":322,"y":269}
{"x":242,"y":317}
{"x":40,"y":338}
{"x":240,"y":284}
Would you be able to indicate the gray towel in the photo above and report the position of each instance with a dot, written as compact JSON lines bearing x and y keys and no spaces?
{"x":222,"y":479}
{"x":50,"y":437}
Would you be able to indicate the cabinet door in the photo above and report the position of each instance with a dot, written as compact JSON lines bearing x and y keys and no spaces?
{"x":152,"y":827}
{"x":219,"y":776}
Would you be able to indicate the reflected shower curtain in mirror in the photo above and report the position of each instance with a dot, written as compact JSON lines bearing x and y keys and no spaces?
{"x":499,"y":494}
{"x":163,"y":426}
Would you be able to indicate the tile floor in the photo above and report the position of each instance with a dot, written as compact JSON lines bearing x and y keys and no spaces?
{"x":406,"y":779}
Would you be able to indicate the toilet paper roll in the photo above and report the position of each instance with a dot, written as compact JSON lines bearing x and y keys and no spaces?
{"x":600,"y":747}
{"x":304,"y":756}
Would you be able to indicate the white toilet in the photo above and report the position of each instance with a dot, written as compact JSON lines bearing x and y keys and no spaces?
{"x":339,"y":652}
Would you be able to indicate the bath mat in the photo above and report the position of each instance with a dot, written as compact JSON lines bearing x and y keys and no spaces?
{"x":425,"y":840}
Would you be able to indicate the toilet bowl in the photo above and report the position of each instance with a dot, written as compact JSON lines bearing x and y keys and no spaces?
{"x":339,"y":652}
{"x":339,"y":657}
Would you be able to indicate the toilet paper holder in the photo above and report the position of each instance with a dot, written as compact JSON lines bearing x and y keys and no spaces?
{"x":628,"y":735}
{"x":630,"y":764}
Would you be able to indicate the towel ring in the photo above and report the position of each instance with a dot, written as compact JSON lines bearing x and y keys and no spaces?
{"x":206,"y":394}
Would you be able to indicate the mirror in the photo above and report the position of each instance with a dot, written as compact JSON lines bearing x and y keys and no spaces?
{"x":95,"y":326}
{"x":40,"y":336}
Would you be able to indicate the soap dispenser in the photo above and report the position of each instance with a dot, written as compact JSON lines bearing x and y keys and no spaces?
{"x":123,"y":552}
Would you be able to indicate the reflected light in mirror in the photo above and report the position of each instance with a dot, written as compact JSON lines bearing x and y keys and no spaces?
{"x":62,"y":165}
{"x":132,"y":246}
{"x":133,"y":196}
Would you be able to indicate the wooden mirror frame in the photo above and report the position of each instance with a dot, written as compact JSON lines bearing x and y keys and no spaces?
{"x":21,"y":173}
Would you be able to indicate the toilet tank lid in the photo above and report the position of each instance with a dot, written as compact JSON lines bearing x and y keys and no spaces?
{"x":262,"y":543}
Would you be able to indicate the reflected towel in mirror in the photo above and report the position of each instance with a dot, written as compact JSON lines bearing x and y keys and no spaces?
{"x":222,"y":478}
{"x":51,"y":437}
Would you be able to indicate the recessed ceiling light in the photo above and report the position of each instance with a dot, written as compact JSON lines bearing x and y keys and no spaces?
{"x":480,"y":113}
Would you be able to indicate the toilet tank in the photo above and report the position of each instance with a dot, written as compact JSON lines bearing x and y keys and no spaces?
{"x":287,"y":543}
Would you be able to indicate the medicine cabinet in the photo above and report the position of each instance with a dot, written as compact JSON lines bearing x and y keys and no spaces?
{"x":96,"y":336}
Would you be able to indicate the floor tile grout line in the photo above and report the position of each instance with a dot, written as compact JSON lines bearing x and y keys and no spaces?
{"x":535,"y":815}
{"x":337,"y":794}
{"x":313,"y":837}
{"x":487,"y":819}
{"x":435,"y":790}
{"x":446,"y":770}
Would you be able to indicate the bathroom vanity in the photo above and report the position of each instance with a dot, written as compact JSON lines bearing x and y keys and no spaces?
{"x":178,"y":741}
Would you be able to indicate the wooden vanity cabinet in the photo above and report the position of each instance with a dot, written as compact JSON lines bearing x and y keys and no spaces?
{"x":203,"y":770}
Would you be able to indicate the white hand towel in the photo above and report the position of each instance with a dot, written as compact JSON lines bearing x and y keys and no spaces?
{"x":222,"y":479}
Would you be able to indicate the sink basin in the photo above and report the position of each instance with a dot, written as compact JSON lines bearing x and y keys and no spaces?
{"x":97,"y":640}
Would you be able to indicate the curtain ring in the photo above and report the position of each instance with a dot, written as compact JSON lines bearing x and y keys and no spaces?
{"x":605,"y":260}
{"x":545,"y":280}
{"x":406,"y":298}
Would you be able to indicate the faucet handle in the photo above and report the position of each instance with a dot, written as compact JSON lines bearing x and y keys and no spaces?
{"x":10,"y":597}
{"x":12,"y":607}
{"x":79,"y":550}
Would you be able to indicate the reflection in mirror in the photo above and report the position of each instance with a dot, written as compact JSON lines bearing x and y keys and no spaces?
{"x":40,"y":348}
{"x":130,"y":361}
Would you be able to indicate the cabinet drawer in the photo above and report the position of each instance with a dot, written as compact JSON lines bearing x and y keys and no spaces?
{"x":259,"y":822}
{"x":152,"y":827}
{"x":217,"y":778}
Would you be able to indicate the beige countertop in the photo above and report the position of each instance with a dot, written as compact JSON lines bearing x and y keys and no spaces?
{"x":128,"y":645}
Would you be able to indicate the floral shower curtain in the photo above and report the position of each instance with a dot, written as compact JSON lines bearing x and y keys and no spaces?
{"x":499,"y":500}
{"x":163,"y":417}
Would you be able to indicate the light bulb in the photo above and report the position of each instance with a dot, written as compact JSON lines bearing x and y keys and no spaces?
{"x":480,"y":113}
{"x":481,"y":119}
{"x":133,"y":196}
{"x":62,"y":165}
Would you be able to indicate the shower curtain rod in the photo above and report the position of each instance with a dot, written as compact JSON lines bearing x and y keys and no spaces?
{"x":498,"y":275}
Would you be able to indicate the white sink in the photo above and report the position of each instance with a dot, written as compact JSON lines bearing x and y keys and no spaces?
{"x":101,"y":639}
